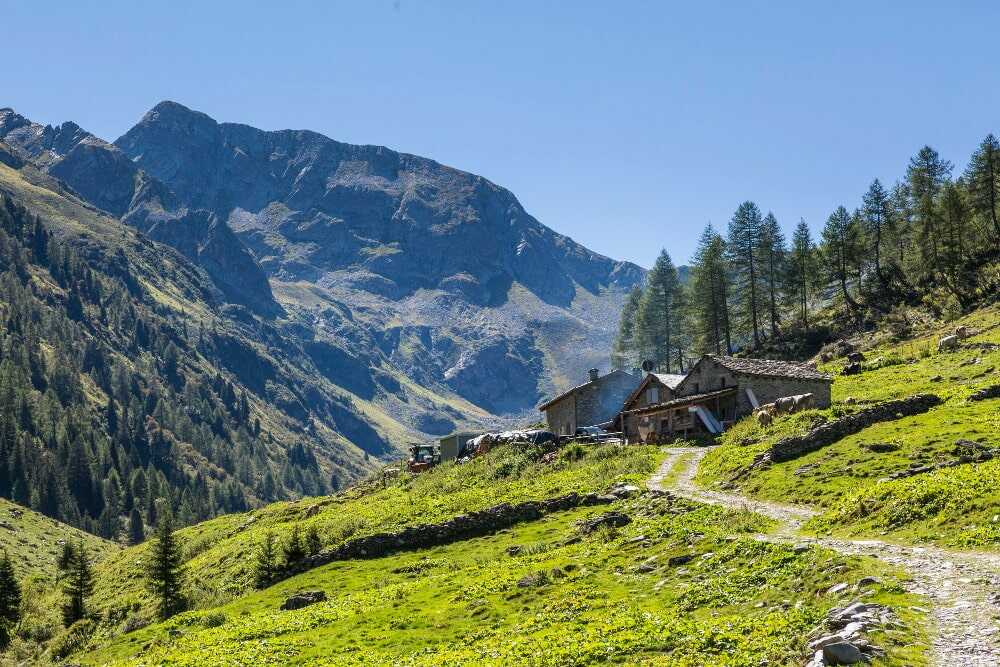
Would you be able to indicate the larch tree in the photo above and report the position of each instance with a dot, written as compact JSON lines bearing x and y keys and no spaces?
{"x":926,"y":175}
{"x":982,"y":178}
{"x":624,"y":353}
{"x":878,"y":224}
{"x":660,"y":316}
{"x":744,"y":252}
{"x":839,"y":252}
{"x":78,"y":586}
{"x":773,"y":251}
{"x":709,"y":294}
{"x":954,"y":220}
{"x":802,"y":270}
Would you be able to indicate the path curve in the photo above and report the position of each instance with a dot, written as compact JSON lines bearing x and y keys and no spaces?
{"x":963,"y":587}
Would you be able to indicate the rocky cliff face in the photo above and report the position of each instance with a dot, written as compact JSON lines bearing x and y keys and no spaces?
{"x":104,"y":176}
{"x":413,"y":286}
{"x":460,"y":285}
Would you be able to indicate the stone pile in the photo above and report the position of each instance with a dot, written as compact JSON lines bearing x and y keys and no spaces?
{"x":841,"y":638}
{"x":968,"y":451}
{"x":303,"y":599}
{"x":986,"y":393}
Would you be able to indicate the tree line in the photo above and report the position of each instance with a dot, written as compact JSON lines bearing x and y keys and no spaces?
{"x":932,"y":239}
{"x":110,"y":403}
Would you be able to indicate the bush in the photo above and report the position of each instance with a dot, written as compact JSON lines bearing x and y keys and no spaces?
{"x":73,"y":639}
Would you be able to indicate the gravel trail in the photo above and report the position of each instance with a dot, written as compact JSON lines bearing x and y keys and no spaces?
{"x":963,"y":587}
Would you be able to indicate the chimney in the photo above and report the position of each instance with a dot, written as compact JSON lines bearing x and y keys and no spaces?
{"x":593,"y":374}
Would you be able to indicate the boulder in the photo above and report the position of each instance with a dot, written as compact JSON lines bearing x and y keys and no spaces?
{"x":842,"y":653}
{"x":612,"y":519}
{"x":852,"y":368}
{"x":855,"y":357}
{"x":303,"y":599}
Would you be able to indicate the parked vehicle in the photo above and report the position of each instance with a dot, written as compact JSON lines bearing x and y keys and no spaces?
{"x":423,"y":456}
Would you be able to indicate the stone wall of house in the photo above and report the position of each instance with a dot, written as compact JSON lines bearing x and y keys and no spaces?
{"x":561,"y":416}
{"x":600,"y":401}
{"x":712,"y":377}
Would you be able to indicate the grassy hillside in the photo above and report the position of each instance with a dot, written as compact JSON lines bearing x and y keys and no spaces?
{"x":682,"y":584}
{"x":956,"y":506}
{"x":34,"y":541}
{"x":217,"y":551}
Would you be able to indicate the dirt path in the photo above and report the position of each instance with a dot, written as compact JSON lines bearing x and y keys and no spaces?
{"x":963,"y":587}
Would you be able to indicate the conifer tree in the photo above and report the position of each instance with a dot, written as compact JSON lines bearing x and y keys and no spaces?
{"x":878,"y":222}
{"x":136,"y":528}
{"x":982,"y":177}
{"x":926,"y":175}
{"x":10,"y":600}
{"x":313,"y":541}
{"x":624,"y":353}
{"x":744,"y":252}
{"x":772,"y":256}
{"x":265,"y":561}
{"x":839,"y":251}
{"x":660,"y":315}
{"x":802,"y":270}
{"x":294,"y":550}
{"x":78,"y":586}
{"x":710,"y":294}
{"x":165,"y":569}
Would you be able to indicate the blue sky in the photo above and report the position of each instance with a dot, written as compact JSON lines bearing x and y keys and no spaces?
{"x":627,"y":126}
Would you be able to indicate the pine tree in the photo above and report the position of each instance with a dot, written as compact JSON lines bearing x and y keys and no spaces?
{"x":772,"y":259}
{"x":624,"y":353}
{"x":982,"y":177}
{"x":954,"y":220}
{"x":802,"y":269}
{"x":10,"y":600}
{"x":265,"y":561}
{"x":710,"y":294}
{"x":878,"y":222}
{"x":839,"y":251}
{"x":165,"y":569}
{"x":660,"y":316}
{"x":294,"y":550}
{"x":744,"y":252}
{"x":927,"y":174}
{"x":78,"y":587}
{"x":136,"y":528}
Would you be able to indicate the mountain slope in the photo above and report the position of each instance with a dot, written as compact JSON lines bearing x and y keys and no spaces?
{"x":449,"y":273}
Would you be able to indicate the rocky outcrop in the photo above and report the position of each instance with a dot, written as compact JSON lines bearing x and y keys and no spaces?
{"x":986,"y":393}
{"x":303,"y":599}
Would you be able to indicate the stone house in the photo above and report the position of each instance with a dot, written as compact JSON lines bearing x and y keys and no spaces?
{"x":595,"y":402}
{"x":717,"y":391}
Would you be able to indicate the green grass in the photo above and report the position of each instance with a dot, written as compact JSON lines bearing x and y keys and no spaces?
{"x":218,"y":552}
{"x":736,"y":602}
{"x":954,"y":507}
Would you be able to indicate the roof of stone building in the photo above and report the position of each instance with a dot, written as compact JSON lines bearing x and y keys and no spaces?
{"x":769,"y":368}
{"x":669,"y":379}
{"x":578,"y":387}
{"x":682,"y":401}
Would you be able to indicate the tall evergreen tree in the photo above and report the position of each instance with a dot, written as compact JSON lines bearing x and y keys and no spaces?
{"x":624,"y":353}
{"x":10,"y":600}
{"x":660,"y":316}
{"x":772,"y":259}
{"x":294,"y":550}
{"x":78,"y":586}
{"x":926,"y":175}
{"x":839,"y":251}
{"x":136,"y":527}
{"x":878,"y":221}
{"x":982,"y":177}
{"x":709,"y":294}
{"x":265,"y":561}
{"x":165,"y":569}
{"x":802,"y":270}
{"x":744,"y":252}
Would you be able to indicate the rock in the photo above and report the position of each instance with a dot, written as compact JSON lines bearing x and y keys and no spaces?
{"x":986,"y":393}
{"x":303,"y":599}
{"x":612,"y":519}
{"x":842,"y":653}
{"x":947,"y":343}
{"x":837,"y":588}
{"x":936,"y":378}
{"x":855,"y":357}
{"x":533,"y":580}
{"x":674,"y":561}
{"x":311,"y":511}
{"x":515,"y":550}
{"x":962,"y":332}
{"x":868,"y":581}
{"x":624,"y":491}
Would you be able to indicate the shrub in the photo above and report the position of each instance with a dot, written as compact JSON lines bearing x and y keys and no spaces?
{"x":73,"y":639}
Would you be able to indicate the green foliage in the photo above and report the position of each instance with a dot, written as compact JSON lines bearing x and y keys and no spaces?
{"x":10,"y":600}
{"x":78,"y":586}
{"x":165,"y":577}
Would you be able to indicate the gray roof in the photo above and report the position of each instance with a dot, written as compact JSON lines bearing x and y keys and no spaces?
{"x":769,"y":368}
{"x":568,"y":392}
{"x":671,"y":380}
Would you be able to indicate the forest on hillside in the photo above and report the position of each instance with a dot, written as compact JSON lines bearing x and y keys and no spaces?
{"x":932,"y":240}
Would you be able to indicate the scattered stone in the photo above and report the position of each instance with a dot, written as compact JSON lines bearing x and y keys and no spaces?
{"x":837,"y":588}
{"x":674,"y":561}
{"x":842,"y":653}
{"x":852,"y":369}
{"x":515,"y":550}
{"x":612,"y":519}
{"x":936,"y":378}
{"x":311,"y":511}
{"x":303,"y":599}
{"x":533,"y":580}
{"x":986,"y":393}
{"x":855,"y":357}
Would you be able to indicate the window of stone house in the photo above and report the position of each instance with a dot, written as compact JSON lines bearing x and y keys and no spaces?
{"x":653,"y":395}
